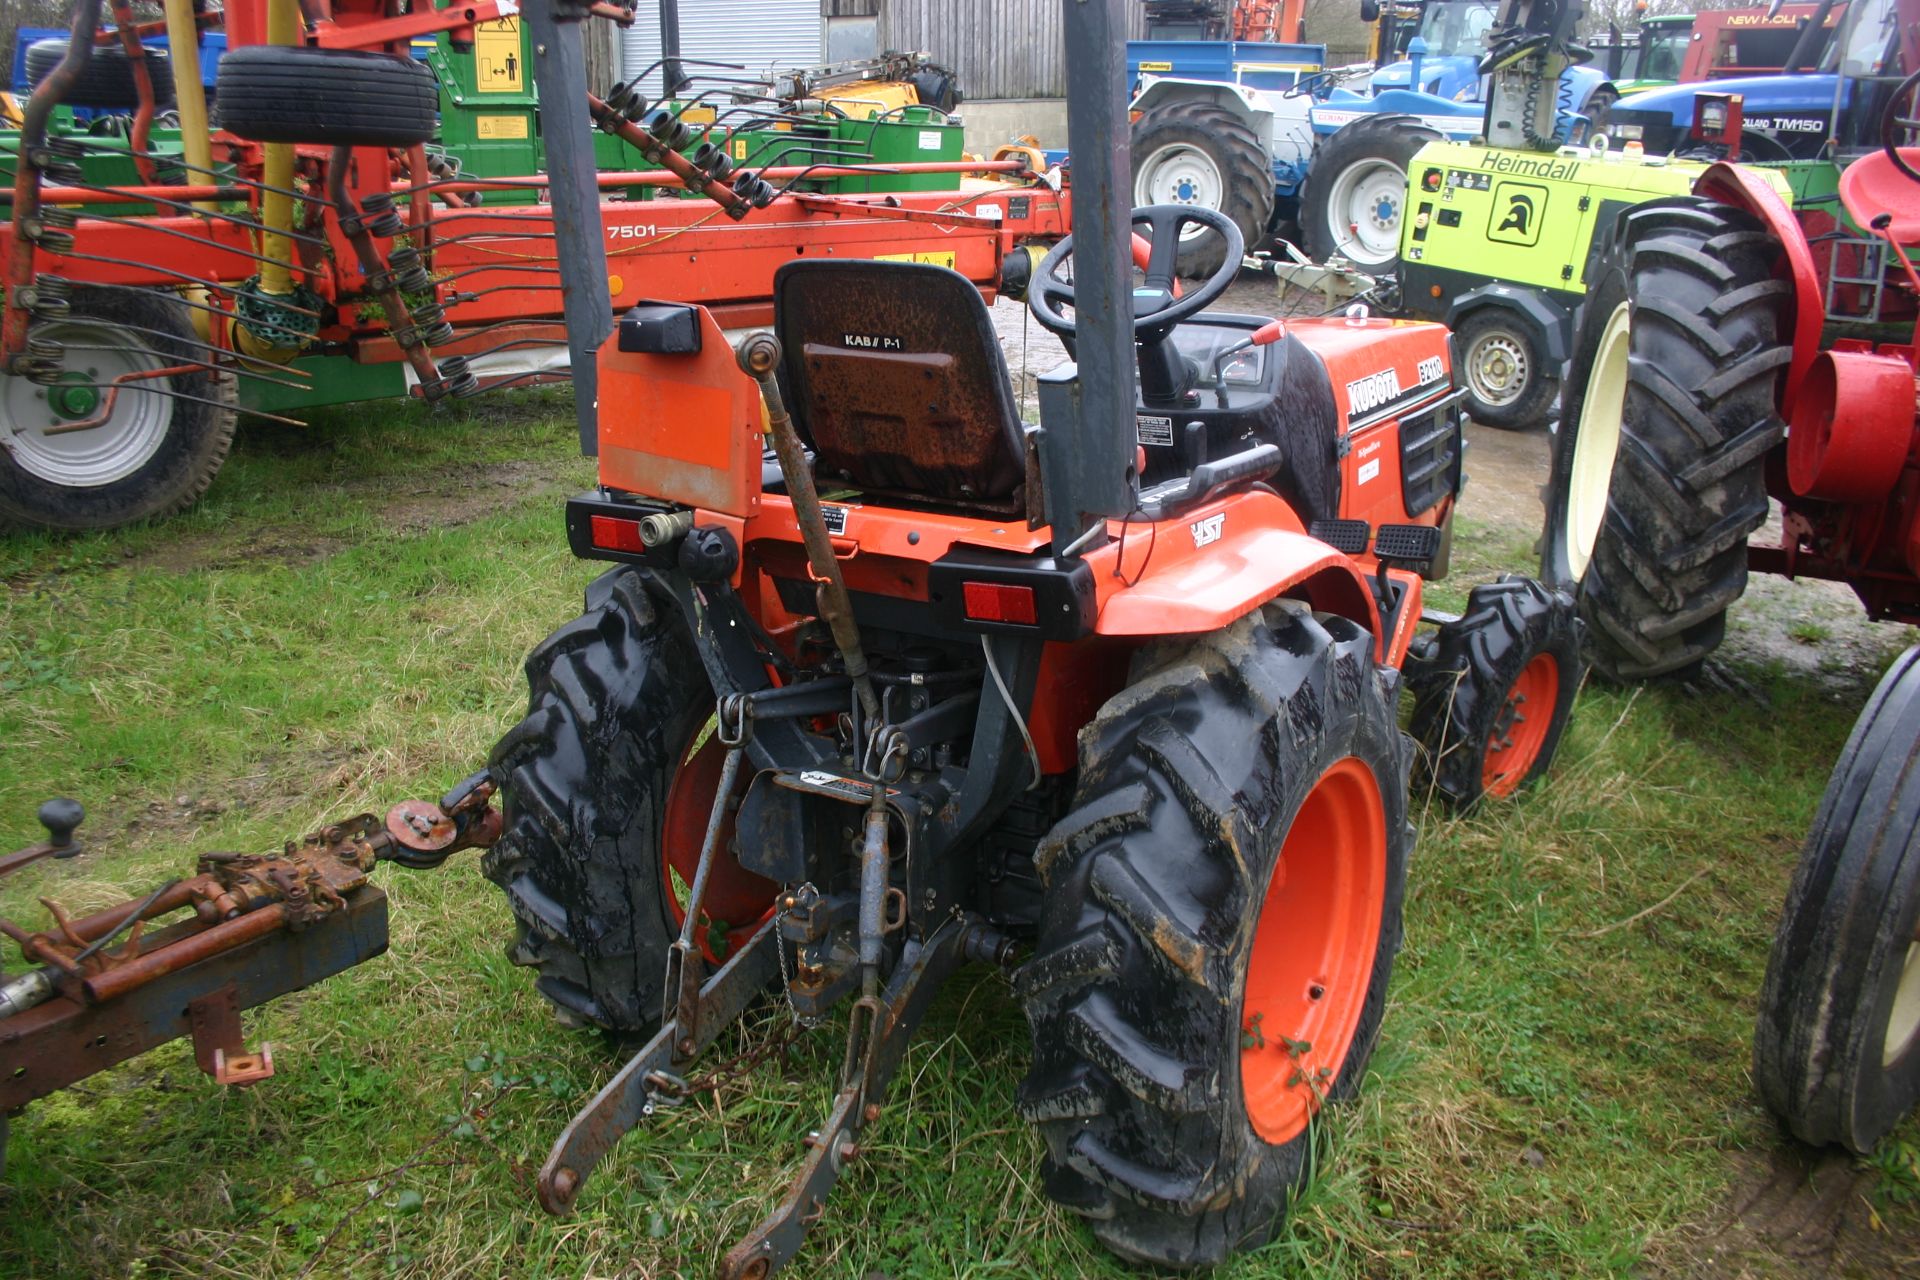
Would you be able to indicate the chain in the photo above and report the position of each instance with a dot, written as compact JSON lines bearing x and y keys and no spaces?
{"x":743,"y":1064}
{"x":740,"y":1065}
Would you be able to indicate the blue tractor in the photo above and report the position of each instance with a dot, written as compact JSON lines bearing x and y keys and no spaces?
{"x":1836,"y":75}
{"x":1270,"y":135}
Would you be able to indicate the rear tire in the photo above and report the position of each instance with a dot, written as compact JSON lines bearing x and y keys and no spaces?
{"x":108,"y":80}
{"x":1659,"y":464}
{"x":1493,"y":692}
{"x":327,"y":97}
{"x":1836,"y":1054}
{"x":1198,"y":153}
{"x":1175,"y":1114}
{"x":1356,"y":191}
{"x":155,"y":454}
{"x":617,"y":697}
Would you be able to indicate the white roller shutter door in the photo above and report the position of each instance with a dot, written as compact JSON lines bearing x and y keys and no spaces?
{"x":761,"y":34}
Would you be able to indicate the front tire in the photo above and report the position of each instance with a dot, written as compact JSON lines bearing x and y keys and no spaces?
{"x":162,"y":442}
{"x":1356,"y":191}
{"x":1217,"y":932}
{"x":607,"y":785}
{"x":1509,"y":385}
{"x":1198,"y":153}
{"x":1836,"y":1054}
{"x":1494,"y":689}
{"x":1658,"y":469}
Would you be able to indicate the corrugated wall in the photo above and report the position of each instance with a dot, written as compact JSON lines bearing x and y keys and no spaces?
{"x":1000,"y":48}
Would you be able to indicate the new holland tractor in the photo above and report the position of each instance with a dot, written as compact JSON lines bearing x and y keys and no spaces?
{"x":1733,"y":358}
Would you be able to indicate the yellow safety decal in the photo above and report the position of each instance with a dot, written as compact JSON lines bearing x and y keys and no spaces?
{"x":938,"y":258}
{"x":499,"y":128}
{"x":496,"y":59}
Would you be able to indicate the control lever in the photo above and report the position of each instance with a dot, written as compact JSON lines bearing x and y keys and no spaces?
{"x":60,"y":816}
{"x":1270,"y":332}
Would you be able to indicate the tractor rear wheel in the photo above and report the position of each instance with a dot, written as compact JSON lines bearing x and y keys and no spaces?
{"x":1836,"y":1054}
{"x":1493,"y":690}
{"x":1356,"y":191}
{"x":1199,"y":153}
{"x":151,"y":451}
{"x":1659,"y":462}
{"x":108,"y":80}
{"x":327,"y":97}
{"x":607,"y":787}
{"x":1217,"y":931}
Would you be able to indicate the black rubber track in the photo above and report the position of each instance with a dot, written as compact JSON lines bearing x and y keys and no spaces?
{"x":1237,"y":152}
{"x":1460,"y":683}
{"x":198,"y":437}
{"x":1540,"y":394}
{"x":613,"y":697}
{"x":1818,"y":1051}
{"x":1391,"y":138}
{"x":108,"y":79}
{"x":337,"y":97}
{"x":1706,"y":351}
{"x":1153,"y":884}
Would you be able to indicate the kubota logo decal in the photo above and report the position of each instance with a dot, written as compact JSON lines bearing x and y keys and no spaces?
{"x":1518,"y":208}
{"x":1209,"y":529}
{"x":1367,"y":394}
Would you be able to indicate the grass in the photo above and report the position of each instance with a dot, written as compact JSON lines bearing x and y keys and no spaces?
{"x":1561,"y":1088}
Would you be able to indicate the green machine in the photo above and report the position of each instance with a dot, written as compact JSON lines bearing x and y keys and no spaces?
{"x":874,"y":112}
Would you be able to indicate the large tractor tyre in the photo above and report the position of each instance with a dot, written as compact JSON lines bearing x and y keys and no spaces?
{"x":1218,"y":927}
{"x":1836,"y":1054}
{"x":1658,"y":464}
{"x":326,"y":97}
{"x":1599,"y":111}
{"x":1199,"y":153}
{"x":1492,"y":691}
{"x":1356,"y":191}
{"x":162,"y":441}
{"x":1509,"y":384}
{"x":108,"y":79}
{"x":608,"y":784}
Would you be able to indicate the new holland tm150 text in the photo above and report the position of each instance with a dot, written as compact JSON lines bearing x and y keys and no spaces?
{"x":883,"y":680}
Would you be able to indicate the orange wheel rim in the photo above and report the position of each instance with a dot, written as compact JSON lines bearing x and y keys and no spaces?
{"x":1313,"y":951}
{"x":1520,"y":730}
{"x":736,"y":897}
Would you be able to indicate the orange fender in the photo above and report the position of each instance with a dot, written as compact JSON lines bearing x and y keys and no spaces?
{"x":1217,"y":563}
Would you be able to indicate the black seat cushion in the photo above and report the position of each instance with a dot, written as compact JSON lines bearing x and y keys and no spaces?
{"x":895,"y":377}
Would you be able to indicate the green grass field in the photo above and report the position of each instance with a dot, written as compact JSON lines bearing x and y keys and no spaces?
{"x":1561,"y":1088}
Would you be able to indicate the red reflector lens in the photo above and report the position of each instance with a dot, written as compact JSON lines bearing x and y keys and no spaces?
{"x":614,"y":534}
{"x":997,"y":602}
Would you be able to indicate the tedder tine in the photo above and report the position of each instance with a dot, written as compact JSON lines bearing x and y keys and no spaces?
{"x":628,"y":1097}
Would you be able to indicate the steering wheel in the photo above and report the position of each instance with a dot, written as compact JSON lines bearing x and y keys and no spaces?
{"x":1156,"y":307}
{"x":1896,"y":128}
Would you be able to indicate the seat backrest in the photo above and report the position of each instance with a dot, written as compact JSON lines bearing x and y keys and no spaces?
{"x":895,"y":377}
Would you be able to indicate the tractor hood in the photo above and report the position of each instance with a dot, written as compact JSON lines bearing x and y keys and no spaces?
{"x":1807,"y":93}
{"x":1454,"y":78}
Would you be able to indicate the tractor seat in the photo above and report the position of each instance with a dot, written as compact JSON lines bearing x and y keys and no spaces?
{"x":1871,"y":186}
{"x":896,"y":381}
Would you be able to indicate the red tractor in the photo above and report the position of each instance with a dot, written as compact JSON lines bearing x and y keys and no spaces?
{"x":885,"y":679}
{"x":1733,"y":355}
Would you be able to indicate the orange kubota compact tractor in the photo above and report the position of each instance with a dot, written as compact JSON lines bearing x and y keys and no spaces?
{"x":885,"y":679}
